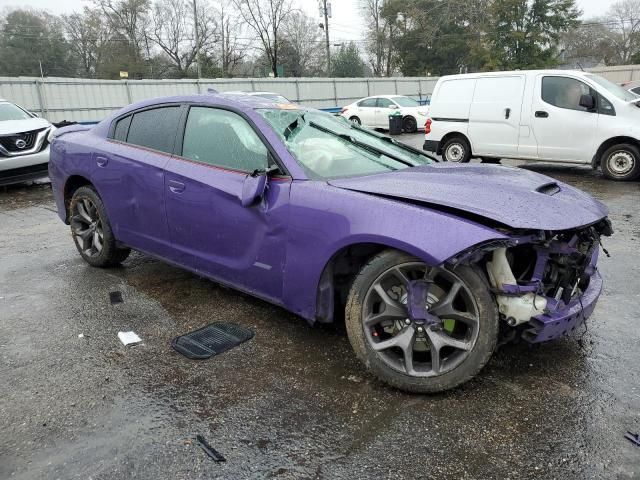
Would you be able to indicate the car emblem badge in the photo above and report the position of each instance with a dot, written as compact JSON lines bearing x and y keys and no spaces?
{"x":20,"y":143}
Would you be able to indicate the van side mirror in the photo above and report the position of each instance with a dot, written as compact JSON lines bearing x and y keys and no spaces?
{"x":587,"y":101}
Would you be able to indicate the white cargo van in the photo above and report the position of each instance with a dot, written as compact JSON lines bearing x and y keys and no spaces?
{"x":541,"y":115}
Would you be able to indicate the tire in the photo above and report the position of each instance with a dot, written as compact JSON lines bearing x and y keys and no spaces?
{"x":464,"y":364}
{"x":409,"y":125}
{"x":456,"y":149}
{"x":91,"y":230}
{"x":355,"y":120}
{"x":621,"y":162}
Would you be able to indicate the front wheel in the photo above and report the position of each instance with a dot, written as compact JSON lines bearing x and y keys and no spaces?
{"x":419,"y":328}
{"x":456,"y":150}
{"x":621,"y":162}
{"x":355,"y":120}
{"x":409,"y":125}
{"x":91,"y":230}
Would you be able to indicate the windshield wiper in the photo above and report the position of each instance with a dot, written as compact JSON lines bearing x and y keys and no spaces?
{"x":393,"y":141}
{"x":364,"y":146}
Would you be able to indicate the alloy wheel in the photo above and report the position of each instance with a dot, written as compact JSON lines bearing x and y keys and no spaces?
{"x":86,"y":227}
{"x":421,"y":321}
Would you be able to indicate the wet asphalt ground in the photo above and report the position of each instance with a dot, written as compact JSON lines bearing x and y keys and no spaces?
{"x":293,"y":402}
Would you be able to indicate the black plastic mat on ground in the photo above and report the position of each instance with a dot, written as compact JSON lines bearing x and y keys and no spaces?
{"x":211,"y":340}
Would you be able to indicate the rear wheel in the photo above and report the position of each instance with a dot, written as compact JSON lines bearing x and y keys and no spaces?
{"x":621,"y":162}
{"x":355,"y":120}
{"x":409,"y":125}
{"x":456,"y":149}
{"x":91,"y":230}
{"x":419,"y":328}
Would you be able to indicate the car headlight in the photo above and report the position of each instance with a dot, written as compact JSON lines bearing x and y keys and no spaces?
{"x":50,"y":135}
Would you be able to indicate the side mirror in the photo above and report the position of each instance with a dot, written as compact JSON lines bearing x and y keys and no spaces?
{"x":393,"y":106}
{"x":587,"y":101}
{"x":253,"y":187}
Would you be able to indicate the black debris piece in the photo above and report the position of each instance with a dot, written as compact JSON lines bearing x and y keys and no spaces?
{"x":633,"y":438}
{"x":115,"y":298}
{"x":211,"y":340}
{"x":209,"y":450}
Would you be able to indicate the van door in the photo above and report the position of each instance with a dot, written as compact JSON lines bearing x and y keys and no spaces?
{"x":564,"y":131}
{"x":494,"y":118}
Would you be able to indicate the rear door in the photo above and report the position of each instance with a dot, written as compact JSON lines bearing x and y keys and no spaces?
{"x":494,"y":117}
{"x":563,"y":130}
{"x":210,"y":229}
{"x":130,"y":176}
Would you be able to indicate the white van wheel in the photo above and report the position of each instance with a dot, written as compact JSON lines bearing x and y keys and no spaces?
{"x":621,"y":162}
{"x":456,"y":150}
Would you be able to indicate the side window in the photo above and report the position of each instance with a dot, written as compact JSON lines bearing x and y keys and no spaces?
{"x":636,"y":90}
{"x":368,"y":102}
{"x":155,"y":128}
{"x":122,"y":128}
{"x":564,"y":92}
{"x":384,"y":103}
{"x":605,"y":107}
{"x":224,"y":139}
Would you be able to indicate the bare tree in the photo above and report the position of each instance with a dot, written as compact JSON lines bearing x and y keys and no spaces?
{"x":173,"y":31}
{"x":128,"y":18}
{"x":304,"y":40}
{"x":377,"y":38}
{"x":623,"y":19}
{"x":89,"y":35}
{"x":233,"y":48}
{"x":265,"y":18}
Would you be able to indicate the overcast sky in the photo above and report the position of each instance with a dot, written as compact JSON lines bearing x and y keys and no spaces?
{"x":346,"y":23}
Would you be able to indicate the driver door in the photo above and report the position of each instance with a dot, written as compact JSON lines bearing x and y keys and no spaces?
{"x":210,"y":229}
{"x":385,"y":108}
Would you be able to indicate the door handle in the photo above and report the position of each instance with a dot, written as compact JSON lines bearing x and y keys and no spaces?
{"x":541,"y":114}
{"x":102,"y":161}
{"x":176,"y":187}
{"x":507,"y":113}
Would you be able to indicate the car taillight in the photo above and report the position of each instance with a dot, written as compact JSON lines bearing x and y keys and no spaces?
{"x":427,"y":126}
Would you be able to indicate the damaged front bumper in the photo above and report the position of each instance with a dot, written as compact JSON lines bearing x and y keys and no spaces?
{"x":565,"y":319}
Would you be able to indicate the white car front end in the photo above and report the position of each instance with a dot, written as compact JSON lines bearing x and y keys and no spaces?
{"x":24,"y":145}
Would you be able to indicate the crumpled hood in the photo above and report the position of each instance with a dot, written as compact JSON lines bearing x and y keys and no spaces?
{"x":8,"y":127}
{"x":512,"y":196}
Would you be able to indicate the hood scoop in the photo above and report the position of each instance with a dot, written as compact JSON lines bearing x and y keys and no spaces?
{"x":550,"y":188}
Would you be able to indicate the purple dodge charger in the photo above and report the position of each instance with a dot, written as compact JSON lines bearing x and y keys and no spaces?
{"x":430,"y":264}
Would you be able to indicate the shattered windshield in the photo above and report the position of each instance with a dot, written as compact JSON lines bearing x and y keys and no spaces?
{"x":331,"y":147}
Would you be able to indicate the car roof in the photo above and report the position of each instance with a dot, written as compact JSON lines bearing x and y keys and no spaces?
{"x":518,"y":72}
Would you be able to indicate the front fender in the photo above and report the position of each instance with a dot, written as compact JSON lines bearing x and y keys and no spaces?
{"x":326,"y":219}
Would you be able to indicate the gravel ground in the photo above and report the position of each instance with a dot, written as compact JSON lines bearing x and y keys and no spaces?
{"x":293,"y":402}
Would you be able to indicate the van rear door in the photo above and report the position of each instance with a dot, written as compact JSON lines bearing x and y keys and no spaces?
{"x":494,"y":117}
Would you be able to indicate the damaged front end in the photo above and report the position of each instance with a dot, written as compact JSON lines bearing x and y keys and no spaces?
{"x":545,"y":283}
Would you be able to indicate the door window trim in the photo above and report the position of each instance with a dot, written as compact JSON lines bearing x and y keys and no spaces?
{"x":112,"y":127}
{"x":272,"y":155}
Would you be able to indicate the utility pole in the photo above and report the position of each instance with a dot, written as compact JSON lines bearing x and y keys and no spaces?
{"x":195,"y":24}
{"x":224,"y":51}
{"x":325,"y":10}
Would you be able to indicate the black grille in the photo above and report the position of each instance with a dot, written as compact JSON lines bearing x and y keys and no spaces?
{"x":13,"y":142}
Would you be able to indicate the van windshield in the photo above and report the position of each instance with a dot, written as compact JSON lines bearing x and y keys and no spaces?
{"x":613,"y":88}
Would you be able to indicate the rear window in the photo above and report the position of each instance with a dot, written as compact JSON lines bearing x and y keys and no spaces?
{"x":155,"y":128}
{"x":368,"y":102}
{"x":122,"y":128}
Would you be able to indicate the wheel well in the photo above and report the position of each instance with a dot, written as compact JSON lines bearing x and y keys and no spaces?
{"x":449,"y":135}
{"x":337,"y":277}
{"x":609,"y":143}
{"x":74,"y":182}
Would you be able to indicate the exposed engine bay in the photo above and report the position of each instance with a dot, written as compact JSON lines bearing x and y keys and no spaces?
{"x":543,"y":282}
